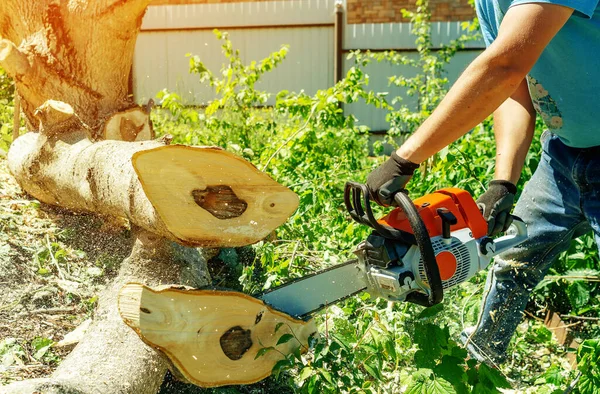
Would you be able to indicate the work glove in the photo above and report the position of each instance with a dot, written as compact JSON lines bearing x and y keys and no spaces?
{"x":495,"y":205}
{"x":389,"y":178}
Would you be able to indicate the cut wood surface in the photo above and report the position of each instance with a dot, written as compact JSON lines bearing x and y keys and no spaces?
{"x":212,"y":197}
{"x":212,"y":336}
{"x":195,"y":196}
{"x":131,"y":125}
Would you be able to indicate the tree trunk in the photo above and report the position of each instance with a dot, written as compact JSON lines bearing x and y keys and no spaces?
{"x":79,"y":52}
{"x":111,"y":358}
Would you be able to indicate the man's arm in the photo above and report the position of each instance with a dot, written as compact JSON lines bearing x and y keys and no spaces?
{"x":514,"y":125}
{"x":489,"y":80}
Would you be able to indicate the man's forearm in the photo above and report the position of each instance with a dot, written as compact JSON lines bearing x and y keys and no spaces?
{"x":514,"y":125}
{"x":525,"y":31}
{"x":483,"y":86}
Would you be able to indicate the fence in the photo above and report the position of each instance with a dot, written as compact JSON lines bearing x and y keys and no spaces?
{"x":317,"y":48}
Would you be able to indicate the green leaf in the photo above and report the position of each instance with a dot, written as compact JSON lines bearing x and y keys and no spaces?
{"x":326,"y":375}
{"x":263,"y":351}
{"x":285,"y":338}
{"x":431,"y":339}
{"x":431,"y":311}
{"x":278,"y":326}
{"x":494,"y":376}
{"x":424,"y":360}
{"x":588,"y":363}
{"x":452,"y":370}
{"x":578,"y":294}
{"x":305,"y":373}
{"x":313,"y":384}
{"x":374,"y":372}
{"x":554,"y":375}
{"x":281,"y":365}
{"x":425,"y":382}
{"x":41,"y":347}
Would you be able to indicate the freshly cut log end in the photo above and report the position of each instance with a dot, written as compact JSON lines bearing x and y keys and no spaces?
{"x":57,"y":117}
{"x":208,"y":196}
{"x":13,"y":60}
{"x":212,"y":337}
{"x":131,"y":125}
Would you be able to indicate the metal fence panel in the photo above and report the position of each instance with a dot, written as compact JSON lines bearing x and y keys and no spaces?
{"x":161,"y":62}
{"x":259,"y":28}
{"x":379,"y":74}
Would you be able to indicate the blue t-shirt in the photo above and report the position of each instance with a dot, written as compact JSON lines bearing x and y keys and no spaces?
{"x":564,"y":84}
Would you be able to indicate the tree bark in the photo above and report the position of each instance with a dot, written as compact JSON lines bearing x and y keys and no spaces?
{"x":79,"y":52}
{"x":111,"y":358}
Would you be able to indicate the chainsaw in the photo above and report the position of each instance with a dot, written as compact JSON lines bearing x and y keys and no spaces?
{"x":415,"y":252}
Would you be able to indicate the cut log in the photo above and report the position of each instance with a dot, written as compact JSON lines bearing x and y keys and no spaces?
{"x":131,"y":125}
{"x":155,"y":187}
{"x":187,"y":189}
{"x":213,"y":337}
{"x":111,"y":359}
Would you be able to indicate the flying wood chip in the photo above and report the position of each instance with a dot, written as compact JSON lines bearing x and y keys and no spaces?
{"x":206,"y":196}
{"x":212,"y":337}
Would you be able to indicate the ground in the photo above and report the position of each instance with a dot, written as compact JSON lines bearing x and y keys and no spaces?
{"x":50,"y":273}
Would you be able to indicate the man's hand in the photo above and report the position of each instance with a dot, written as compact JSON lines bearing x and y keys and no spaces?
{"x":496,"y":204}
{"x":389,"y":178}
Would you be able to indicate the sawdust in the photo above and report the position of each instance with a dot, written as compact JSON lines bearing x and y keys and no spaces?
{"x":52,"y":266}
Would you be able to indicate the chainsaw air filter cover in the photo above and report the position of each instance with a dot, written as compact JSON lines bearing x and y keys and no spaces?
{"x":459,"y":202}
{"x":455,"y":248}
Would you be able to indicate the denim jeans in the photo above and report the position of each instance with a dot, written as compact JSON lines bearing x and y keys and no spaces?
{"x":560,"y":202}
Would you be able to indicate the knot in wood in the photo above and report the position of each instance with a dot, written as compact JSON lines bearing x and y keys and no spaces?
{"x":236,"y":342}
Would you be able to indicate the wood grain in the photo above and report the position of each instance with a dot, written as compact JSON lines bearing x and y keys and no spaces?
{"x":211,"y":336}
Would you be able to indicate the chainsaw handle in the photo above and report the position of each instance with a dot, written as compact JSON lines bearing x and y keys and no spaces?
{"x":357,"y":198}
{"x":508,"y":241}
{"x":432,"y":271}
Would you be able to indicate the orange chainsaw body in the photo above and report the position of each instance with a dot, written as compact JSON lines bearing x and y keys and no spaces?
{"x":457,"y":201}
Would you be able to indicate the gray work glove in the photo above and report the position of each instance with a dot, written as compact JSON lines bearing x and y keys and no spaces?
{"x":495,"y":205}
{"x":389,"y":178}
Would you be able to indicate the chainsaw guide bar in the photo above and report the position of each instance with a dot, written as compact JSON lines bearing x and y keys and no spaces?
{"x":302,"y":297}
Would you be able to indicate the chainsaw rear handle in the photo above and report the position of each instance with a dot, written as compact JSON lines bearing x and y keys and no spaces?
{"x":357,"y":198}
{"x":510,"y":240}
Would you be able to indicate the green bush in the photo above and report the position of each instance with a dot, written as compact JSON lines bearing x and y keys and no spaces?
{"x":6,"y":110}
{"x":308,"y":144}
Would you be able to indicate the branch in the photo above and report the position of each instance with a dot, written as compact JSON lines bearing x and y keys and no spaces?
{"x":12,"y":60}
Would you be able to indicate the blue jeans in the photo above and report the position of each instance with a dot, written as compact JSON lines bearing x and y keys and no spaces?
{"x":560,"y":202}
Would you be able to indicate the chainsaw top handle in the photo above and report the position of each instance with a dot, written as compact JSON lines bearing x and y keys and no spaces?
{"x":357,"y":198}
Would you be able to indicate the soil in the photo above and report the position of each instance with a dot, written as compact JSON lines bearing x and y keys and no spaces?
{"x":52,"y":266}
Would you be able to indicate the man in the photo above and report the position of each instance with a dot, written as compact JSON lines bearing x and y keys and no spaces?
{"x":544,"y":56}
